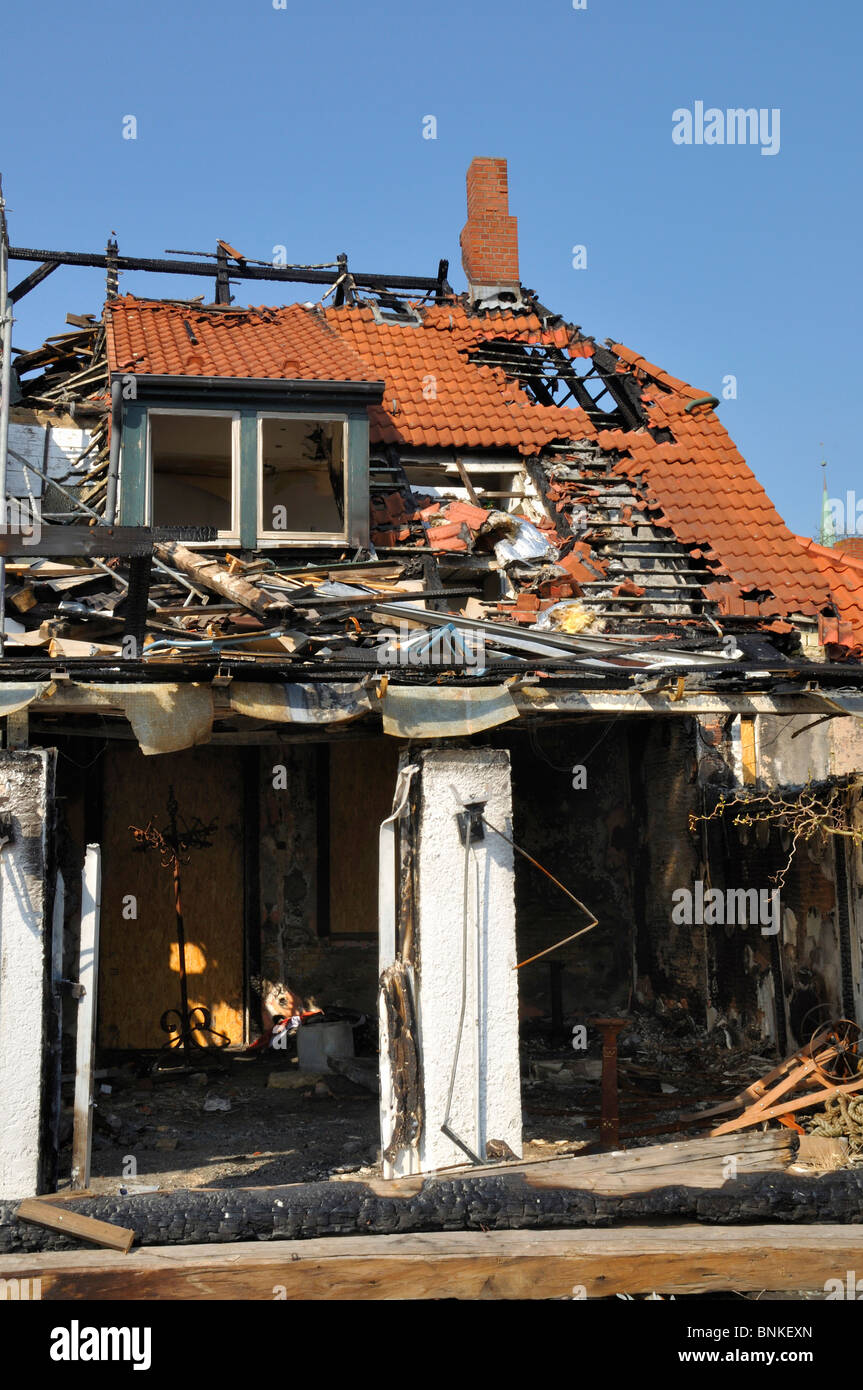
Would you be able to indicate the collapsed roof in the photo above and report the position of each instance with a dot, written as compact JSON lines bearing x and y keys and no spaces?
{"x":521,"y":475}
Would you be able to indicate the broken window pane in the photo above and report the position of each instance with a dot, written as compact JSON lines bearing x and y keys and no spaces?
{"x":192,"y":470}
{"x":302,"y":482}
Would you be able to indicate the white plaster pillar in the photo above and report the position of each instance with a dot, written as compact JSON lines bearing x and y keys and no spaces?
{"x":459,"y":957}
{"x":26,"y":791}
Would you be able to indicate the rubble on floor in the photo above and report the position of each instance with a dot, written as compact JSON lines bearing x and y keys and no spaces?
{"x":225,"y":1126}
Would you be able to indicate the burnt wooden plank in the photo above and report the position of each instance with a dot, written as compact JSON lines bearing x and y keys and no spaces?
{"x":691,"y":1180}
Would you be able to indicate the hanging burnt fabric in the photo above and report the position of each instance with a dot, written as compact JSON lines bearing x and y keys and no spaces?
{"x":445,"y":712}
{"x":166,"y":718}
{"x":18,"y":695}
{"x":324,"y":702}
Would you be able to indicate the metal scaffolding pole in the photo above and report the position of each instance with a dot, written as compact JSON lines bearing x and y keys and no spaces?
{"x":5,"y":391}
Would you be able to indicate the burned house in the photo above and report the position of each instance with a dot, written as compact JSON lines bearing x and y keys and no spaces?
{"x":454,"y":661}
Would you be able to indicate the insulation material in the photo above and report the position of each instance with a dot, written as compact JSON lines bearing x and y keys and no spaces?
{"x":423,"y":712}
{"x":19,"y":694}
{"x":166,"y":718}
{"x":571,"y":617}
{"x":301,"y":703}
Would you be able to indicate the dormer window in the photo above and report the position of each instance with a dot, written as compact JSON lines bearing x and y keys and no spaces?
{"x":253,"y":423}
{"x":262,"y":463}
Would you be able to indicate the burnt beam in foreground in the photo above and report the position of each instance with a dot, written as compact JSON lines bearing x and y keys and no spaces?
{"x":683,"y":1181}
{"x":62,"y":541}
{"x":307,"y":1211}
{"x":675,"y":1259}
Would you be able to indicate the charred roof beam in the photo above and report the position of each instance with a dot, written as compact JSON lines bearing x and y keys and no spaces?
{"x":244,"y":271}
{"x":32,"y":280}
{"x":623,"y":388}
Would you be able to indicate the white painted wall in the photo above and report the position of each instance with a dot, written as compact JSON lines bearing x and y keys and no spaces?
{"x":28,"y":442}
{"x":24,"y":943}
{"x":487,"y":1093}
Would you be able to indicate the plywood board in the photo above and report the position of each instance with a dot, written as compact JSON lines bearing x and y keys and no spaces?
{"x":140,"y":965}
{"x":362,"y":782}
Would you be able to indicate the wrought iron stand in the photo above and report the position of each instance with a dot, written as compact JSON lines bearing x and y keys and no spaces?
{"x":175,"y":843}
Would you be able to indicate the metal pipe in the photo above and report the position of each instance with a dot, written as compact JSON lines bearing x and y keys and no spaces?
{"x":609,"y":1123}
{"x":5,"y":388}
{"x":446,"y":1127}
{"x":114,"y":454}
{"x":40,"y":473}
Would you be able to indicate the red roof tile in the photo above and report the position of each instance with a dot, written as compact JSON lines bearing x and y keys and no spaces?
{"x":844,"y":578}
{"x":152,"y":338}
{"x":436,"y":398}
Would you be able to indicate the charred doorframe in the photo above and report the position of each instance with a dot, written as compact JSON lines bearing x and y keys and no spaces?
{"x":52,"y":1058}
{"x":848,"y":926}
{"x":252,"y":925}
{"x":644,"y":956}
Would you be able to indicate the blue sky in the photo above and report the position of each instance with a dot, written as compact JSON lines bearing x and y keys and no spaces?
{"x":303,"y":126}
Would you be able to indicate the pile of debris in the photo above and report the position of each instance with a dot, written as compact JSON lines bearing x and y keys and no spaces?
{"x":364,"y":613}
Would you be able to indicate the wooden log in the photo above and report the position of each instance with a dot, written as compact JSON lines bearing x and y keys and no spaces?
{"x":460,"y":1264}
{"x":72,"y":1223}
{"x":704,"y":1179}
{"x":212,"y":575}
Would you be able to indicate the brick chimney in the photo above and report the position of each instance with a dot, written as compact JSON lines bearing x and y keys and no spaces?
{"x":852,"y":546}
{"x":489,"y":239}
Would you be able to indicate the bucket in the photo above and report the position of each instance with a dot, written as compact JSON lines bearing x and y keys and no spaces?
{"x":318,"y":1041}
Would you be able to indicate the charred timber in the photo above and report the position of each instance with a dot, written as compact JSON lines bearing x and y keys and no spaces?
{"x":486,"y":1203}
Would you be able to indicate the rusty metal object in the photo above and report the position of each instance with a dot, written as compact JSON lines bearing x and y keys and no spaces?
{"x":174,"y":844}
{"x":846,"y":1061}
{"x":609,"y":1119}
{"x":830,"y":1064}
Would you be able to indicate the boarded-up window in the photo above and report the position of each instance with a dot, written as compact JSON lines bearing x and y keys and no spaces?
{"x":361,"y":785}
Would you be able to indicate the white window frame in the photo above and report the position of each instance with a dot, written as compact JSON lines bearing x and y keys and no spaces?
{"x":312,"y":537}
{"x":232,"y":536}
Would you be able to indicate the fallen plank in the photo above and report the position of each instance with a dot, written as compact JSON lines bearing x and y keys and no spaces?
{"x":696,"y":1163}
{"x":460,"y":1264}
{"x":73,"y":1223}
{"x":210,"y":574}
{"x":703,"y":1179}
